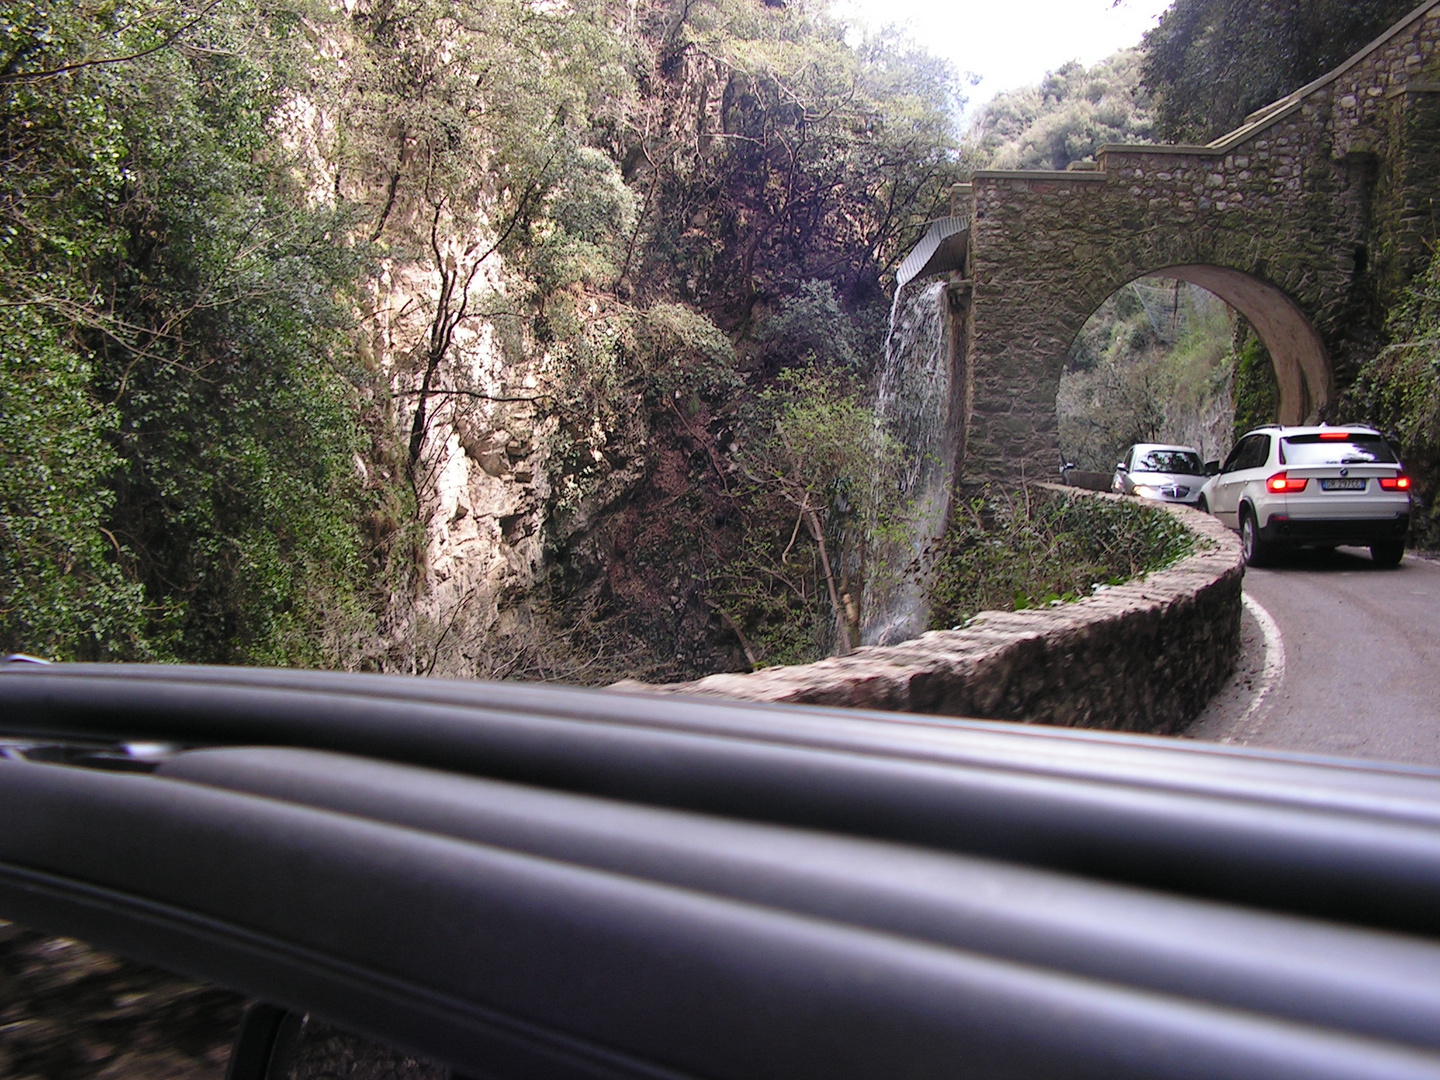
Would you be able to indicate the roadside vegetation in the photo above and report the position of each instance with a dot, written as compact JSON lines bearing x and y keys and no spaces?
{"x":215,"y":450}
{"x":1006,"y":552}
{"x":1400,"y":391}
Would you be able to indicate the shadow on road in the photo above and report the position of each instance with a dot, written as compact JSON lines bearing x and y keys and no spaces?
{"x":1329,"y":560}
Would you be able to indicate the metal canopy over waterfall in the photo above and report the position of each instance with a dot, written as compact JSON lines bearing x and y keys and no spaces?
{"x":941,"y":248}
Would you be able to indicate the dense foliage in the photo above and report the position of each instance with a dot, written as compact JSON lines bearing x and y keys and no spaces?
{"x":1006,"y":552}
{"x":179,"y":425}
{"x":1400,"y":391}
{"x":1210,"y":63}
{"x":216,"y":450}
{"x":809,"y":457}
{"x":1066,"y":118}
{"x":801,"y":158}
{"x":778,"y":173}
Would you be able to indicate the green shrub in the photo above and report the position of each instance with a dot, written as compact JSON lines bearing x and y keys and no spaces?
{"x":1400,"y":392}
{"x":62,"y":593}
{"x":1007,"y":551}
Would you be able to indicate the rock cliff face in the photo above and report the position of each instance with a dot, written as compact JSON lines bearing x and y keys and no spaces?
{"x":569,"y":340}
{"x":520,"y":479}
{"x":479,"y":479}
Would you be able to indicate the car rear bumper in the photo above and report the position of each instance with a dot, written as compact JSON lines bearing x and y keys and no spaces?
{"x":1357,"y":531}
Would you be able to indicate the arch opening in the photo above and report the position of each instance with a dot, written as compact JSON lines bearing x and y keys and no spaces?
{"x":1302,"y":368}
{"x":1157,"y":362}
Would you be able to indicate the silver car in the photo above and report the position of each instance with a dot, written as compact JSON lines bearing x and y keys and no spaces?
{"x":1159,"y":471}
{"x":1321,"y":486}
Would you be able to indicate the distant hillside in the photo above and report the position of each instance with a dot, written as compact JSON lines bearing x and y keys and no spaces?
{"x":1067,"y":117}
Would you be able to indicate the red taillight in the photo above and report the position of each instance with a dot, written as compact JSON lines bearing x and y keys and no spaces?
{"x":1395,"y":483}
{"x":1280,"y":483}
{"x":1338,"y":436}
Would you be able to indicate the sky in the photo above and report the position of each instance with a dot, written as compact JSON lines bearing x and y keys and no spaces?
{"x":1011,"y":43}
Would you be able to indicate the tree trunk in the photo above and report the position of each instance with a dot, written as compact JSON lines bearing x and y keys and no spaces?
{"x":841,"y":623}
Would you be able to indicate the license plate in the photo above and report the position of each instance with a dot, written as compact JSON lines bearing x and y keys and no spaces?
{"x":1356,"y":483}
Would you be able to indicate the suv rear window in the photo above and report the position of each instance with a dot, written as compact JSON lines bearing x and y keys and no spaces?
{"x":1348,"y":448}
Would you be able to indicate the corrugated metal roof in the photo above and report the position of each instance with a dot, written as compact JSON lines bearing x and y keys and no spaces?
{"x":941,"y":248}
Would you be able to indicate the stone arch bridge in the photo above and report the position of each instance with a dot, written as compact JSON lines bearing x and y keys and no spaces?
{"x":1323,"y":202}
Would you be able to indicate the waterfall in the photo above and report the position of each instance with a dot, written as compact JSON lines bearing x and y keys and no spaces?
{"x":914,"y":406}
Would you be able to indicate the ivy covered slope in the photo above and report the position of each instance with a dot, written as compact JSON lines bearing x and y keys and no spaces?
{"x":674,"y":220}
{"x":1007,"y":552}
{"x":177,"y":419}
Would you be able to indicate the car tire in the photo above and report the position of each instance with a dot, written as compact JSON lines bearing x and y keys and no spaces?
{"x":1256,"y":551}
{"x":1387,"y":553}
{"x":1202,"y":505}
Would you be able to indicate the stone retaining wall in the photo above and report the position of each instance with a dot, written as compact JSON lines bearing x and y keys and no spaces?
{"x":1144,"y":656}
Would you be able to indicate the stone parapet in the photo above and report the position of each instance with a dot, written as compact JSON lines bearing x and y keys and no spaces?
{"x":1144,"y":656}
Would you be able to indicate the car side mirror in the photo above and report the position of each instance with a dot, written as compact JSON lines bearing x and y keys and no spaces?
{"x":1121,"y":467}
{"x":1212,"y":468}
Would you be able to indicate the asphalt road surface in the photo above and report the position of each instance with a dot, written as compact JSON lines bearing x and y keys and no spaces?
{"x":1339,"y":658}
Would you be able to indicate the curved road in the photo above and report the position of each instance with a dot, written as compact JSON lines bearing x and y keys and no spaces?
{"x":1340,"y":657}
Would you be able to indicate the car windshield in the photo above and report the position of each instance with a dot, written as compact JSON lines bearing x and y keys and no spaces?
{"x":1336,"y":448}
{"x":1171,"y":461}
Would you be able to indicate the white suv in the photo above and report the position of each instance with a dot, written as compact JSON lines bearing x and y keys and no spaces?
{"x":1288,"y":487}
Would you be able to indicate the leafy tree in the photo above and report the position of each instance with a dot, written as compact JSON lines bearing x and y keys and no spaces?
{"x":810,"y":328}
{"x":1066,"y":118}
{"x":167,"y":258}
{"x":811,"y":443}
{"x":1210,"y":63}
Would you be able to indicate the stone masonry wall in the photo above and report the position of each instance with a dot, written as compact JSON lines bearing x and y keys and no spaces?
{"x":1144,"y":656}
{"x":1285,"y":212}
